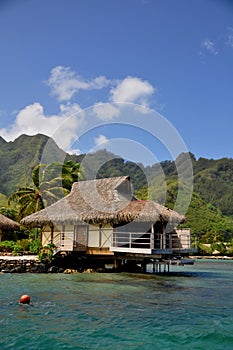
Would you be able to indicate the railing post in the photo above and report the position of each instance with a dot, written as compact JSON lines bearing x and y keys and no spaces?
{"x":111,"y":240}
{"x":152,"y":241}
{"x":130,"y":239}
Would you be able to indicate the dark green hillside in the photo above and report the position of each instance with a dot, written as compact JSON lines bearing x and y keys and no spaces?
{"x":2,"y":141}
{"x":205,"y":221}
{"x":214,"y":182}
{"x":18,"y":159}
{"x":120,"y":167}
{"x":94,"y":163}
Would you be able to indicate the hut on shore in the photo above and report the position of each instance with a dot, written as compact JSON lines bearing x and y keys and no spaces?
{"x":7,"y":224}
{"x":103,"y":218}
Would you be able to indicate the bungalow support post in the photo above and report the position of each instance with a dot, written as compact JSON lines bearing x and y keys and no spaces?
{"x":100,"y":235}
{"x":164,"y":237}
{"x":52,"y":232}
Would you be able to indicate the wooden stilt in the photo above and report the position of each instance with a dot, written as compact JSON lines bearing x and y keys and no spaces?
{"x":115,"y":262}
{"x":154,"y":266}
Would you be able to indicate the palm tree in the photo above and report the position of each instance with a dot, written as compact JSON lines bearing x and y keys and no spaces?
{"x":9,"y":213}
{"x":51,"y":182}
{"x":71,"y":172}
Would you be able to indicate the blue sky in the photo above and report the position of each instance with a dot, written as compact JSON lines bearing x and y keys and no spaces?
{"x":101,"y":73}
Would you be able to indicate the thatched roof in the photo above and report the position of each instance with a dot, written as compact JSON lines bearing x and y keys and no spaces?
{"x":8,"y":224}
{"x":101,"y":201}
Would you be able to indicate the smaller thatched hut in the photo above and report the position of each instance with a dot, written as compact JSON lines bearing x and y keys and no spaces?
{"x":7,"y":224}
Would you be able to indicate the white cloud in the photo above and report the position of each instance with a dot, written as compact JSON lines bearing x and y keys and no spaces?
{"x":75,"y":151}
{"x":106,"y":111}
{"x":100,"y":140}
{"x":32,"y":120}
{"x":71,"y":120}
{"x":208,"y":46}
{"x":64,"y":83}
{"x":132,"y":89}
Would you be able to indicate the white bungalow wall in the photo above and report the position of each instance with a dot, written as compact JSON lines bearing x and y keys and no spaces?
{"x":46,"y":236}
{"x":184,"y":237}
{"x":99,"y":236}
{"x":70,"y":237}
{"x":62,"y":236}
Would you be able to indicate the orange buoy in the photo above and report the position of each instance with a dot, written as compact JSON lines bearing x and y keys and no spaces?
{"x":25,"y":299}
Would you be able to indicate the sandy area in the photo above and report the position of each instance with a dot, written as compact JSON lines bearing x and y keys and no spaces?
{"x":19,"y":257}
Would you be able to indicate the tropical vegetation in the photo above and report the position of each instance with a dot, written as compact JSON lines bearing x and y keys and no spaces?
{"x":51,"y":182}
{"x":31,"y":184}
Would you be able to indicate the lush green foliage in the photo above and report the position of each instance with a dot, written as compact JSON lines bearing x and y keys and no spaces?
{"x":3,"y":200}
{"x":51,"y":182}
{"x":19,"y":158}
{"x":21,"y":246}
{"x":211,"y":209}
{"x":7,"y":246}
{"x":9,"y":213}
{"x":205,"y":221}
{"x":46,"y":254}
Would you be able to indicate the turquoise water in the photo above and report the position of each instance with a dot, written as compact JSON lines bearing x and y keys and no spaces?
{"x":190,"y":309}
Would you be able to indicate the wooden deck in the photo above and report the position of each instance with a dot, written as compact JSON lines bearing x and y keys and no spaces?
{"x":128,"y":243}
{"x":148,"y":243}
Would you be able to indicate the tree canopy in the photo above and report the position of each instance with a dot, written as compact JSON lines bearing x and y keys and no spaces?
{"x":51,"y":182}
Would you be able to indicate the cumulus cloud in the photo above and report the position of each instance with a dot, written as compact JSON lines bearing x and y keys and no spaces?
{"x":75,"y":151}
{"x":106,"y":111}
{"x":64,"y":83}
{"x":32,"y":120}
{"x":65,"y":126}
{"x":100,"y":140}
{"x":132,"y":89}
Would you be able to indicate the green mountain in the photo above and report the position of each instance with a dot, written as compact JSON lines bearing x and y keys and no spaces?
{"x":214,"y":182}
{"x":2,"y":141}
{"x":211,"y":207}
{"x":18,"y":159}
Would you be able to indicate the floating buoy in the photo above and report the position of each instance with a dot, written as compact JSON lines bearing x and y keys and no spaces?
{"x":25,"y":299}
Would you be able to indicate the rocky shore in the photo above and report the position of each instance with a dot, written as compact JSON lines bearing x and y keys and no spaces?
{"x":31,"y":264}
{"x":20,"y":264}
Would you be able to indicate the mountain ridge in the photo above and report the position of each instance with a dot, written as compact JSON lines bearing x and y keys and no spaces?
{"x":213,"y":179}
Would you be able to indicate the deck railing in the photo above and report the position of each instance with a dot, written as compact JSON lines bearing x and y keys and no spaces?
{"x":157,"y":241}
{"x":66,"y":242}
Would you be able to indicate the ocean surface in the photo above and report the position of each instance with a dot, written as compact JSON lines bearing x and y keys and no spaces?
{"x":192,"y":308}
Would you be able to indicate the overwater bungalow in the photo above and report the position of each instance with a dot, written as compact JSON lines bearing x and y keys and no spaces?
{"x":102,"y":219}
{"x":7,"y":224}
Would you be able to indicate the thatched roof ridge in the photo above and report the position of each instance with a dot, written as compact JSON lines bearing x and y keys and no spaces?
{"x":8,"y":224}
{"x":101,"y":201}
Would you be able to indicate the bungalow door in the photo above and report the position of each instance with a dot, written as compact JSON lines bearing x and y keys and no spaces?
{"x":80,"y":237}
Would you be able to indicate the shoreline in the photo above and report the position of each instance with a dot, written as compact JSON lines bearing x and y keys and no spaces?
{"x":30,"y":263}
{"x":211,"y":257}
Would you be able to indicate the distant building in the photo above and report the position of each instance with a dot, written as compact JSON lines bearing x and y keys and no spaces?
{"x":7,"y":224}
